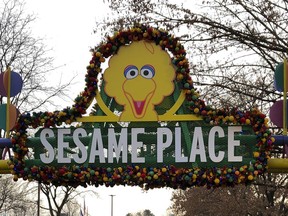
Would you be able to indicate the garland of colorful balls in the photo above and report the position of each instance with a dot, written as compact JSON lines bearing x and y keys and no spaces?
{"x":148,"y":177}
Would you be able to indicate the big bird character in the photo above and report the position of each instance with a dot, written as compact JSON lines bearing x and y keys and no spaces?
{"x":138,"y":77}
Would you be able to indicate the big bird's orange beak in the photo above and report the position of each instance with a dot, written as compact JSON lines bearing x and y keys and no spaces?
{"x":139,"y":92}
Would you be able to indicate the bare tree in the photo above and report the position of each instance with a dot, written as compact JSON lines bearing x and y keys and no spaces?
{"x":58,"y":197}
{"x":63,"y":199}
{"x":240,"y":200}
{"x":16,"y":199}
{"x":145,"y":212}
{"x":26,"y":55}
{"x":233,"y":45}
{"x":233,"y":201}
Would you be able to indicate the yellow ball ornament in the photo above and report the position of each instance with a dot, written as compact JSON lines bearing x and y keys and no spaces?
{"x":180,"y":77}
{"x":256,"y":154}
{"x":217,"y":181}
{"x":250,"y":177}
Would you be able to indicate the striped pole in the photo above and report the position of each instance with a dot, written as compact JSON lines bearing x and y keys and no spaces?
{"x":8,"y":71}
{"x":285,"y":99}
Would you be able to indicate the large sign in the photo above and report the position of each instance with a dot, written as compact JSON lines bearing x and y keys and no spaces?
{"x":147,"y":126}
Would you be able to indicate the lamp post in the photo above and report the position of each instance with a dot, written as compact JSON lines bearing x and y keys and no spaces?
{"x":112,"y":203}
{"x":38,"y":201}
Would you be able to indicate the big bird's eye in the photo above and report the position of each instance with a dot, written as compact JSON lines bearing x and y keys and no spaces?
{"x":147,"y":71}
{"x":131,"y":71}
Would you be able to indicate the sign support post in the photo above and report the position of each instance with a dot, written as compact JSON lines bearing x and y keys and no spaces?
{"x":8,"y":102}
{"x":285,"y":103}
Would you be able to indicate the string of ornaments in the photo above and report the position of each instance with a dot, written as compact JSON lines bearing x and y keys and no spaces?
{"x":146,"y":177}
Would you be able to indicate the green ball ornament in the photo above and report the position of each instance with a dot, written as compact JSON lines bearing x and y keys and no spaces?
{"x":194,"y":97}
{"x":69,"y":175}
{"x":92,"y":172}
{"x":191,"y":103}
{"x":187,"y":178}
{"x":259,"y":167}
{"x":151,"y":173}
{"x":186,"y":85}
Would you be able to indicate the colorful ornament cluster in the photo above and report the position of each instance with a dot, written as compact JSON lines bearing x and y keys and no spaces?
{"x":147,"y":177}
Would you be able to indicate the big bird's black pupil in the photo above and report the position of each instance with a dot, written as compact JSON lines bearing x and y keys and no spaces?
{"x":146,"y":73}
{"x":132,"y":73}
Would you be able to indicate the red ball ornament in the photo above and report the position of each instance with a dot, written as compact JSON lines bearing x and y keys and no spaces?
{"x":61,"y":171}
{"x":243,"y":120}
{"x":203,"y":112}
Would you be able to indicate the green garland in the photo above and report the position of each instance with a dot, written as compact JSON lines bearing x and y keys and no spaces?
{"x":149,"y":177}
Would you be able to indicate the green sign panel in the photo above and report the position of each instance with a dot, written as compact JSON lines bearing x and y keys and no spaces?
{"x":202,"y":147}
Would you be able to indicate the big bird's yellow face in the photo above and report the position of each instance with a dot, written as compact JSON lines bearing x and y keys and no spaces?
{"x":138,"y":77}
